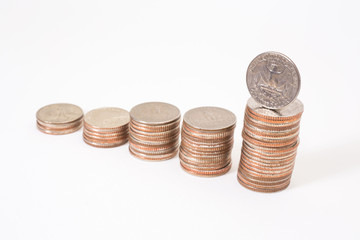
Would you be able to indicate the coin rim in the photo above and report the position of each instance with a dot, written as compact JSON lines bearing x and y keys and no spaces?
{"x":287,"y":58}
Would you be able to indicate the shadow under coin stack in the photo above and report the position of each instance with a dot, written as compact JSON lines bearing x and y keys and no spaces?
{"x":154,"y":131}
{"x":271,"y":124}
{"x":60,"y":118}
{"x":106,"y":127}
{"x":207,"y":141}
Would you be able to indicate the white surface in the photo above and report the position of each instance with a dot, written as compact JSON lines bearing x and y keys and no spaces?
{"x":188,"y":53}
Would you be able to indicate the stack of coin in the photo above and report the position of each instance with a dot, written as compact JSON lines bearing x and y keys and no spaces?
{"x":106,"y":127}
{"x":60,"y":118}
{"x":207,"y":141}
{"x":270,"y":140}
{"x":271,"y":123}
{"x":154,"y":131}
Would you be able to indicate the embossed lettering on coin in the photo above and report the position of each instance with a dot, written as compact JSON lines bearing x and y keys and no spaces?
{"x":273,"y":80}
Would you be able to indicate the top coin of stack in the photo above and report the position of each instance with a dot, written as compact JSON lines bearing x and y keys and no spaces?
{"x":106,"y":127}
{"x":154,"y":131}
{"x":207,"y":141}
{"x":60,"y":118}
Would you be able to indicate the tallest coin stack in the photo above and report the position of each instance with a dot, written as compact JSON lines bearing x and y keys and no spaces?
{"x":271,"y":123}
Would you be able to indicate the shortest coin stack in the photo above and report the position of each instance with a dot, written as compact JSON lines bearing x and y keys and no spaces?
{"x":154,"y":131}
{"x":270,"y":141}
{"x":60,"y":118}
{"x":207,"y":141}
{"x":106,"y":127}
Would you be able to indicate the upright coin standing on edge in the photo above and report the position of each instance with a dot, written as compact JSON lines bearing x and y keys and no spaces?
{"x":207,"y":141}
{"x":154,"y":131}
{"x":106,"y":127}
{"x":59,"y":118}
{"x":273,"y":80}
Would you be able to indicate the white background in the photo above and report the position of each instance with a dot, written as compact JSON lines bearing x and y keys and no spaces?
{"x":188,"y":53}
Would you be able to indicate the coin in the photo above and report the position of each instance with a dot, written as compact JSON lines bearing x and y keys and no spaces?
{"x":273,"y":80}
{"x":207,"y":141}
{"x":106,"y":127}
{"x":209,"y":173}
{"x":155,"y":157}
{"x":104,"y":145}
{"x":210,"y":118}
{"x":59,"y":113}
{"x":154,"y":113}
{"x":289,"y":111}
{"x":107,"y":118}
{"x":270,"y":141}
{"x":154,"y":131}
{"x":59,"y":131}
{"x":59,"y":118}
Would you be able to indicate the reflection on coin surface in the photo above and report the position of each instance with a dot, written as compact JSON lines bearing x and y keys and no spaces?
{"x":273,"y":80}
{"x":59,"y":113}
{"x":109,"y":117}
{"x":154,"y":113}
{"x":210,"y":118}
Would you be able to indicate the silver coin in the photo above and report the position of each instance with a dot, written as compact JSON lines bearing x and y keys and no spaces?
{"x":210,"y":118}
{"x":155,"y":113}
{"x":105,"y":145}
{"x":264,"y":181}
{"x":57,"y":131}
{"x":152,"y":152}
{"x":104,"y":137}
{"x":160,"y":157}
{"x":292,"y":109}
{"x":204,"y":167}
{"x":60,"y":126}
{"x":158,"y":135}
{"x":59,"y":113}
{"x":273,"y":80}
{"x":109,"y":117}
